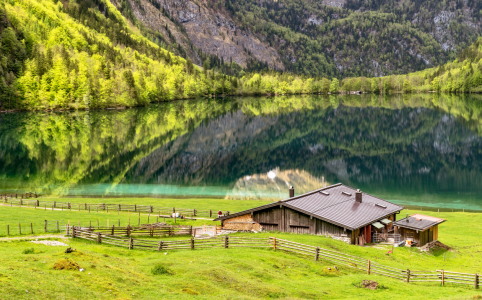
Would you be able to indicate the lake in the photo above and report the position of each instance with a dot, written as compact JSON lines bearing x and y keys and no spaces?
{"x":422,"y":149}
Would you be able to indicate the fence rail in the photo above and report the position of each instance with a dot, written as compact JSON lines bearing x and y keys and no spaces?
{"x":318,"y":253}
{"x":158,"y":210}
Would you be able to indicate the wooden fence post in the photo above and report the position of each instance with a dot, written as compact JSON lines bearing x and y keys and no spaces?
{"x":131,"y":243}
{"x":99,"y":240}
{"x":159,"y":247}
{"x":58,"y":228}
{"x":408,"y":275}
{"x":8,"y":230}
{"x":135,"y":207}
{"x":19,"y":229}
{"x":194,"y":212}
{"x":443,"y":277}
{"x":192,"y":243}
{"x":476,"y":281}
{"x":368,"y":267}
{"x":45,"y":225}
{"x":190,"y":230}
{"x":73,"y":232}
{"x":274,"y":243}
{"x":226,"y":242}
{"x":113,"y":230}
{"x":31,"y":228}
{"x":210,"y":213}
{"x":55,"y":204}
{"x":317,"y":253}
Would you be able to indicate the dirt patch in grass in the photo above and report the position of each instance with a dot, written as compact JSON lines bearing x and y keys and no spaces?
{"x":66,"y":264}
{"x":369,"y":284}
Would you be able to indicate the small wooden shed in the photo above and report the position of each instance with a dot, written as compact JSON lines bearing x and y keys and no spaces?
{"x":419,"y":228}
{"x":339,"y":211}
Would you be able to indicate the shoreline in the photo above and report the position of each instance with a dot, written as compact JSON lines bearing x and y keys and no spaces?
{"x":354,"y":93}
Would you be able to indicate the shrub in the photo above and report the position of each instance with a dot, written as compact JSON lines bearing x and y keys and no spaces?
{"x":160,"y":270}
{"x":66,"y":264}
{"x":28,"y":251}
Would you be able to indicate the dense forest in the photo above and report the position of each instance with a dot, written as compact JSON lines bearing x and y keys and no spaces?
{"x":50,"y":59}
{"x":86,"y":54}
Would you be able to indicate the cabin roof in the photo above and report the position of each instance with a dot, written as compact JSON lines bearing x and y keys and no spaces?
{"x":335,"y":204}
{"x":418,"y":222}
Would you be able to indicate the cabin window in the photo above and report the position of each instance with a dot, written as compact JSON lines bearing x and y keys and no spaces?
{"x":299,"y":226}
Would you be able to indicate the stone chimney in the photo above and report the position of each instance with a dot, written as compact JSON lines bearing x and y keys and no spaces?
{"x":292,"y":191}
{"x":358,"y":196}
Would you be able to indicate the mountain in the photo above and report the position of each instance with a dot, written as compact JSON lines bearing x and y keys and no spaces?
{"x":332,"y":38}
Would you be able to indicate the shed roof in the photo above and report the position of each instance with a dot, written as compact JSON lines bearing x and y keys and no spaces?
{"x":418,"y":222}
{"x":336,"y":204}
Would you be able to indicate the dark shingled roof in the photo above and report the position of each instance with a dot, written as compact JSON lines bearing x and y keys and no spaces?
{"x":418,"y":222}
{"x":337,"y":207}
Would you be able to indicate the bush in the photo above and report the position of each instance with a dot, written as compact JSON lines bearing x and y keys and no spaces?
{"x":28,"y":251}
{"x":160,"y":270}
{"x":66,"y":264}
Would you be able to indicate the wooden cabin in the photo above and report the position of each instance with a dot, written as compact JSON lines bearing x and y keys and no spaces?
{"x":338,"y":211}
{"x":419,"y":228}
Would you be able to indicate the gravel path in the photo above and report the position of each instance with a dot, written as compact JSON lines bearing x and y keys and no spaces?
{"x":35,"y":237}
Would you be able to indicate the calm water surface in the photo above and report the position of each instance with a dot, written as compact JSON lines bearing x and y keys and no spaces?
{"x":417,"y":150}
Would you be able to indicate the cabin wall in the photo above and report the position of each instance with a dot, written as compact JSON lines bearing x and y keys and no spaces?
{"x":421,"y":237}
{"x":288,"y":220}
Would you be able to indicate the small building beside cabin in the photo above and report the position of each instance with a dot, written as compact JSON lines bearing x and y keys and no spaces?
{"x":338,"y":211}
{"x":418,"y":229}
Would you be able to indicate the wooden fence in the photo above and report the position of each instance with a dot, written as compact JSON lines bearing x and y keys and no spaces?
{"x":317,"y":253}
{"x":47,"y":226}
{"x":146,"y":230}
{"x":96,"y":207}
{"x":151,"y":244}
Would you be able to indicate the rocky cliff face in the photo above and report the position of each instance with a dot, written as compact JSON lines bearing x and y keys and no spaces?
{"x":339,"y":38}
{"x":205,"y":29}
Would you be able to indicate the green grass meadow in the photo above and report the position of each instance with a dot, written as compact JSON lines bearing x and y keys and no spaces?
{"x":118,"y":273}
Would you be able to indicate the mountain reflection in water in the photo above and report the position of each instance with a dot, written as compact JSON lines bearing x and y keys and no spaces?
{"x":411,"y":149}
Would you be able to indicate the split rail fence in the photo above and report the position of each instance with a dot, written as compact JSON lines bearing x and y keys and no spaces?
{"x":163,"y":230}
{"x":96,"y":207}
{"x":361,"y":264}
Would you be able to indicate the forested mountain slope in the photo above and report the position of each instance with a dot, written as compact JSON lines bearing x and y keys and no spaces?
{"x":67,"y":55}
{"x":331,"y":38}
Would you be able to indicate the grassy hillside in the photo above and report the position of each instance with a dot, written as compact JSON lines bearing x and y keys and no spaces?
{"x":113,"y":272}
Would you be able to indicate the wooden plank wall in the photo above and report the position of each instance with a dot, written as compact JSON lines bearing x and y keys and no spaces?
{"x":288,"y":220}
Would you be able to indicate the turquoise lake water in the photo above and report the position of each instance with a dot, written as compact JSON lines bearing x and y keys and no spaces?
{"x":420,"y":150}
